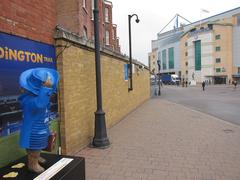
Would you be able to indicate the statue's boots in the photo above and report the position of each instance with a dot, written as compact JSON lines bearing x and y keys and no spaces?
{"x":41,"y":160}
{"x":33,"y":162}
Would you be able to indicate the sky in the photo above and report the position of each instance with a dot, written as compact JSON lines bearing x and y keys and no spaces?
{"x":154,"y":15}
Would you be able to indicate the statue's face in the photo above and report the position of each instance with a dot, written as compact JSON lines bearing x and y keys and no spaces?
{"x":48,"y":82}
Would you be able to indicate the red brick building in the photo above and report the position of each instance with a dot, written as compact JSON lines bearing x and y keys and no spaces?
{"x":34,"y":20}
{"x":37,"y":20}
{"x":77,"y":17}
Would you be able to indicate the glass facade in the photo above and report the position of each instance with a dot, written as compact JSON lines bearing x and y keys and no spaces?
{"x":164,"y":59}
{"x":198,"y":63}
{"x":171,"y":58}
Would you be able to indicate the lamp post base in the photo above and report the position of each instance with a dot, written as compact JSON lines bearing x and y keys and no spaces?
{"x":100,"y":139}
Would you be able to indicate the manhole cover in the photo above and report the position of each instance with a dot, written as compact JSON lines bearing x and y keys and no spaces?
{"x":228,"y":130}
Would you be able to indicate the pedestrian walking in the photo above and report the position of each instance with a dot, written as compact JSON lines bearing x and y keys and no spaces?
{"x":235,"y":84}
{"x":203,"y":85}
{"x":186,"y":83}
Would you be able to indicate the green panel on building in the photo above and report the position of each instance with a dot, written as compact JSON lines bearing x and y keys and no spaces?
{"x":171,"y":58}
{"x":164,"y":59}
{"x":198,"y":62}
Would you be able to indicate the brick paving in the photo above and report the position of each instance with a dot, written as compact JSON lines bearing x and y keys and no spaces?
{"x":163,"y":140}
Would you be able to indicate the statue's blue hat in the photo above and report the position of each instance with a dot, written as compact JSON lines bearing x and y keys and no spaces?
{"x":33,"y":79}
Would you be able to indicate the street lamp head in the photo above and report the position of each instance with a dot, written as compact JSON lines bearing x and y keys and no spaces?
{"x":130,"y":16}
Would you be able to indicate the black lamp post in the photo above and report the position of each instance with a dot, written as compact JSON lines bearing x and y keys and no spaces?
{"x":159,"y":77}
{"x":130,"y":48}
{"x":100,"y":138}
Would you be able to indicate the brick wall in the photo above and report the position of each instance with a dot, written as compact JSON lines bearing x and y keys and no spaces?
{"x":68,"y":14}
{"x":77,"y":93}
{"x":31,"y":19}
{"x":73,"y":16}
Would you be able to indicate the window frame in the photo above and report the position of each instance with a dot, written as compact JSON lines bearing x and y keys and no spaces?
{"x":218,"y":70}
{"x":171,"y":58}
{"x":107,"y":37}
{"x":198,"y":55}
{"x":85,"y":3}
{"x":106,"y":14}
{"x":218,"y":60}
{"x":218,"y":36}
{"x":218,"y":48}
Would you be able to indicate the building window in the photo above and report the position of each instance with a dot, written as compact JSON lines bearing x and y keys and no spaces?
{"x":186,"y":44}
{"x":84,"y":3}
{"x":153,"y":62}
{"x":107,"y":37}
{"x":171,"y":58}
{"x":218,"y":37}
{"x":92,"y":9}
{"x":164,"y":59}
{"x":210,"y":26}
{"x":223,"y":69}
{"x":186,"y":72}
{"x":106,"y":15}
{"x":198,"y":61}
{"x":186,"y":63}
{"x":218,"y":60}
{"x":85,"y":32}
{"x":186,"y":53}
{"x":238,"y":69}
{"x":218,"y":70}
{"x":113,"y":34}
{"x":218,"y":48}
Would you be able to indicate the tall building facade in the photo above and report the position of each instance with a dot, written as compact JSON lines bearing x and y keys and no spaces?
{"x":167,"y":47}
{"x":208,"y":49}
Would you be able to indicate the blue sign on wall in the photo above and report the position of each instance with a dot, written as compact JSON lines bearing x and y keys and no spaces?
{"x":18,"y":54}
{"x":125,"y":72}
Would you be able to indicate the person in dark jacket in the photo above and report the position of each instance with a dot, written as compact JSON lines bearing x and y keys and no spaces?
{"x":203,"y":85}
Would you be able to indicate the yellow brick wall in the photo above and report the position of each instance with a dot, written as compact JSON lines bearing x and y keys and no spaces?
{"x":77,"y":93}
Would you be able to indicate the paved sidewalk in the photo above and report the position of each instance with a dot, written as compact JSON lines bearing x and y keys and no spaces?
{"x":166,"y":141}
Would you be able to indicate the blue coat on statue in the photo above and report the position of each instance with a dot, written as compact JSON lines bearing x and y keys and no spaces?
{"x":35,"y":131}
{"x":35,"y":103}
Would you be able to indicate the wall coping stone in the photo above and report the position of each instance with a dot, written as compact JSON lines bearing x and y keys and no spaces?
{"x":63,"y":34}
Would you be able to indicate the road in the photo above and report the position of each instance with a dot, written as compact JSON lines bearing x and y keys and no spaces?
{"x":222,"y":101}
